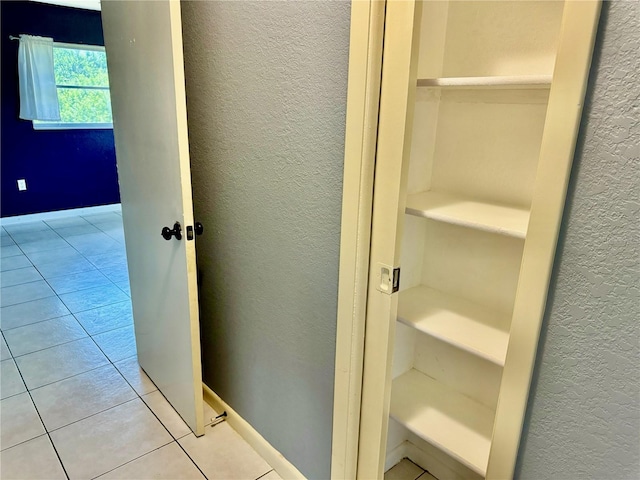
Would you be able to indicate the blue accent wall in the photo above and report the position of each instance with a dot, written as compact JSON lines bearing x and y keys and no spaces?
{"x":64,"y":169}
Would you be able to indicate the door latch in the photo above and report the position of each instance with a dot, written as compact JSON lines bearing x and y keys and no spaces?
{"x":199,"y":229}
{"x":388,"y":279}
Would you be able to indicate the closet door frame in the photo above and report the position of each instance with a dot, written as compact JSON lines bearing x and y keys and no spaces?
{"x":363,"y":96}
{"x":562,"y":123}
{"x":399,"y":77}
{"x":379,"y":105}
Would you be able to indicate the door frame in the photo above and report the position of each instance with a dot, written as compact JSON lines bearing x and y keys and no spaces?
{"x":364,"y":89}
{"x":364,"y":81}
{"x":363,"y":98}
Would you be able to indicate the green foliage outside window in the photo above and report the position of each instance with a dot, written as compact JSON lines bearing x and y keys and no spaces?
{"x":84,"y":106}
{"x":82,"y":68}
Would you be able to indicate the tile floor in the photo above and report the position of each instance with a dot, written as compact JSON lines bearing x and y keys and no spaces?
{"x":407,"y":470}
{"x":73,"y":401}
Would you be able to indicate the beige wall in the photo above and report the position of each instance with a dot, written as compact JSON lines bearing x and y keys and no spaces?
{"x":266,"y":97}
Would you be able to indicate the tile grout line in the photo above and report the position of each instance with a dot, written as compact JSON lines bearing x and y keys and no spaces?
{"x":53,"y":445}
{"x":52,"y":346}
{"x":66,"y":314}
{"x":23,"y":283}
{"x":152,"y":412}
{"x":176,"y":440}
{"x":92,"y":415}
{"x":265,"y":474}
{"x":156,"y":416}
{"x":5,"y":342}
{"x":27,"y":283}
{"x":134,"y":459}
{"x":38,"y":270}
{"x":145,"y":404}
{"x":58,"y":295}
{"x":39,"y":321}
{"x":88,"y":336}
{"x":73,"y":313}
{"x":110,"y":362}
{"x":139,"y":396}
{"x":66,"y":341}
{"x":61,"y":379}
{"x":95,"y":267}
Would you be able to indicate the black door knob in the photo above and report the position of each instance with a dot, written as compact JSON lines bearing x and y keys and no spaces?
{"x":167,"y":233}
{"x":199,"y":228}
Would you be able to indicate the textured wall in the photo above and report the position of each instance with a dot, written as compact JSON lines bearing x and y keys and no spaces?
{"x":266,"y":98}
{"x":584,"y":417}
{"x":63,"y":168}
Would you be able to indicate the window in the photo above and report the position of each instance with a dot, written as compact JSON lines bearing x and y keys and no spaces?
{"x":82,"y":83}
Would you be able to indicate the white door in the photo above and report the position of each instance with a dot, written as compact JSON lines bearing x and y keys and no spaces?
{"x":146,"y":73}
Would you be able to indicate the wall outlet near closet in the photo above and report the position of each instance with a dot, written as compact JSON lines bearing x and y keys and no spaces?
{"x":22,"y":185}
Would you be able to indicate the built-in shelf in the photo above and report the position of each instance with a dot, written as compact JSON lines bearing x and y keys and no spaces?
{"x":488,"y":217}
{"x":508,"y":81}
{"x":464,"y":324}
{"x":452,"y":422}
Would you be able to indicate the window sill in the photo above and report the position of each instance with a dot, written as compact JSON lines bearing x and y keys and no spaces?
{"x":71,"y":126}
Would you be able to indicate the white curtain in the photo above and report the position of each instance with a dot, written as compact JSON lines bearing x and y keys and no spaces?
{"x":38,"y":94}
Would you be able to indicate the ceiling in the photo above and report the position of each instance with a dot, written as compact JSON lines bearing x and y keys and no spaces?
{"x":86,"y":4}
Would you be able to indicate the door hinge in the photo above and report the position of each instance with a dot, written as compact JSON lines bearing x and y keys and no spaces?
{"x":388,"y":280}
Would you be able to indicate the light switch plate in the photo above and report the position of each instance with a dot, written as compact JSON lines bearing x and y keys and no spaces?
{"x":22,"y":184}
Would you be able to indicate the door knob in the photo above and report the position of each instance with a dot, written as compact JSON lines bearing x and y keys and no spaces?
{"x":167,"y":233}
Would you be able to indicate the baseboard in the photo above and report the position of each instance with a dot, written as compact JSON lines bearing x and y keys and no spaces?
{"x":396,"y":455}
{"x":38,"y":217}
{"x":436,"y":462}
{"x":281,"y":465}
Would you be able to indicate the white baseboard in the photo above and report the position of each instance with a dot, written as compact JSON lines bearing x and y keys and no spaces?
{"x":38,"y":217}
{"x":436,"y":462}
{"x":396,"y":455}
{"x":281,"y":465}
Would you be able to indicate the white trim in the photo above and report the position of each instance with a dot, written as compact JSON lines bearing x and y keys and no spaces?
{"x":435,"y":463}
{"x":396,"y":455}
{"x":562,"y":122}
{"x":365,"y":64}
{"x":399,"y":77}
{"x":79,"y":46}
{"x":71,"y":126}
{"x":44,"y":216}
{"x":431,"y":461}
{"x":273,"y":457}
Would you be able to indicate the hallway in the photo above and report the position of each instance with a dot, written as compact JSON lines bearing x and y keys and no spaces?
{"x":74,"y":402}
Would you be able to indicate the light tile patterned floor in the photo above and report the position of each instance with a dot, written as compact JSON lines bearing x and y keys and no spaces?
{"x":74,"y":401}
{"x":407,"y":470}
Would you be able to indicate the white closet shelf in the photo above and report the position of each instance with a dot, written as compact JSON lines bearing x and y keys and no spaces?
{"x":500,"y":219}
{"x":508,"y":81}
{"x":456,"y":321}
{"x":452,"y":422}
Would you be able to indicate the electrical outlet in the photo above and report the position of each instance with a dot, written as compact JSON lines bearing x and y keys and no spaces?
{"x":22,"y":184}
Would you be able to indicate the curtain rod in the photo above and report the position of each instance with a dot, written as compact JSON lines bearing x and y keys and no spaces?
{"x":79,"y":46}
